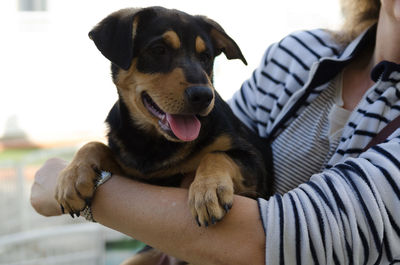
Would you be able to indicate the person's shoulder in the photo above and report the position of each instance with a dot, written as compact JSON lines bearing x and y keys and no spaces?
{"x":306,"y":44}
{"x":316,"y":42}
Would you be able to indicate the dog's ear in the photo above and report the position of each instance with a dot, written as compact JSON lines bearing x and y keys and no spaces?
{"x":222,"y":42}
{"x":114,"y":36}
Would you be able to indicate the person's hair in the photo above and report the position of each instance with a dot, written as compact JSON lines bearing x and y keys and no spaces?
{"x":358,"y":15}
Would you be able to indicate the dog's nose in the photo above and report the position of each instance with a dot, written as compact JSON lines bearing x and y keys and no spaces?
{"x":198,"y":97}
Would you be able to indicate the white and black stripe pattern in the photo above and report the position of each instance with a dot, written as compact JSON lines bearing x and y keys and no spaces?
{"x":276,"y":83}
{"x":379,"y":107}
{"x":350,"y":212}
{"x":313,"y":143}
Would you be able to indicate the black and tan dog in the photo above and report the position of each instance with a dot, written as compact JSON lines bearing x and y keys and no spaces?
{"x":169,"y":120}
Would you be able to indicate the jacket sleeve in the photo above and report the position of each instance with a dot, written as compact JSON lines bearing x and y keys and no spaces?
{"x":284,"y":71}
{"x":245,"y":103}
{"x":349,"y":214}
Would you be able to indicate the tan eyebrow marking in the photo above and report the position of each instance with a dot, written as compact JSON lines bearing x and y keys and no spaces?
{"x":134,"y":27}
{"x":172,"y":39}
{"x":200,"y":45}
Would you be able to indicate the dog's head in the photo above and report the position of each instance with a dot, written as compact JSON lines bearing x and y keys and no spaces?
{"x":162,"y":64}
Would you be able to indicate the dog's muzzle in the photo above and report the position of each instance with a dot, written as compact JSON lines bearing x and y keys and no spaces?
{"x":185,"y":127}
{"x":198,"y":98}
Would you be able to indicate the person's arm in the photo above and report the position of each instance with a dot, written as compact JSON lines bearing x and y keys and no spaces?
{"x":160,"y":217}
{"x":349,"y":214}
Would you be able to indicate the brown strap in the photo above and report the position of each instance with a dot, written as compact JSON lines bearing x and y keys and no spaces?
{"x":384,"y":133}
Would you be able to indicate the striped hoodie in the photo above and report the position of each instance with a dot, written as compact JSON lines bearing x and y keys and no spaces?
{"x":350,"y":212}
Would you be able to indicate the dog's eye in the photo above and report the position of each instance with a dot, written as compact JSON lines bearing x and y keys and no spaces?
{"x":205,"y":57}
{"x":158,"y":50}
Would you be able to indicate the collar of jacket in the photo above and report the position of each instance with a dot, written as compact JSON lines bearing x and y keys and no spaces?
{"x":327,"y":68}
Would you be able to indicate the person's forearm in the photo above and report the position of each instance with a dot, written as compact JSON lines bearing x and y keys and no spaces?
{"x":160,"y":217}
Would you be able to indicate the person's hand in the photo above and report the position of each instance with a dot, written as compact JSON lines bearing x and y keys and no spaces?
{"x":43,"y":188}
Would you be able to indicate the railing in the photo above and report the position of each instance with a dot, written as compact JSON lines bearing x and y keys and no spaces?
{"x":16,"y":177}
{"x":27,"y":238}
{"x":68,"y":244}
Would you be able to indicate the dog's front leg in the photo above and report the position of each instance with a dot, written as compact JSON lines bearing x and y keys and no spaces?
{"x":211,"y":192}
{"x":75,"y":184}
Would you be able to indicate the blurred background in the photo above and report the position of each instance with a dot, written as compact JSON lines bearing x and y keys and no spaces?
{"x":56,"y":90}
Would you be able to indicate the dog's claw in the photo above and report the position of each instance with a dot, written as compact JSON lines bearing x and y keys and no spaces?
{"x":197,"y":221}
{"x":227,"y":207}
{"x":72,"y":214}
{"x":88,"y":201}
{"x":62,"y":209}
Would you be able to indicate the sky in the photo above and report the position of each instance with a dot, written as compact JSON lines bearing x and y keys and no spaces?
{"x":55,"y":84}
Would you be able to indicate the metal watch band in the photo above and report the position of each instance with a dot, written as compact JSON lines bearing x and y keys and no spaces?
{"x":103,"y":176}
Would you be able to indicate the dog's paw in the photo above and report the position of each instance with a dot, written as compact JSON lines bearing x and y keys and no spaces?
{"x":210,"y":198}
{"x":75,"y":187}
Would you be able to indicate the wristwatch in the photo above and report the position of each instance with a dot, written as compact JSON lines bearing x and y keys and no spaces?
{"x":103,"y":176}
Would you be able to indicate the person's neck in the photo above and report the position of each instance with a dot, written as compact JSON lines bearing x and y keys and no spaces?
{"x":356,"y":76}
{"x":387,"y":46}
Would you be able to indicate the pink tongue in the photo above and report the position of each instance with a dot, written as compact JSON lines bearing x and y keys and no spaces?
{"x":185,"y":127}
